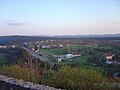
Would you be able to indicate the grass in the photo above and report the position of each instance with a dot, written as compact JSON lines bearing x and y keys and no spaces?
{"x":55,"y":51}
{"x":105,"y":47}
{"x":2,"y":58}
{"x":19,"y":72}
{"x":81,"y":46}
{"x":61,"y":51}
{"x":77,"y":79}
{"x":82,"y":59}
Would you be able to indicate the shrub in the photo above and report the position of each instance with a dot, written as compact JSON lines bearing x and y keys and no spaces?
{"x":76,"y":79}
{"x":18,"y":72}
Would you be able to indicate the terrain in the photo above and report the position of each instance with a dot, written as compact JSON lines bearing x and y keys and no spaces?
{"x":67,"y":62}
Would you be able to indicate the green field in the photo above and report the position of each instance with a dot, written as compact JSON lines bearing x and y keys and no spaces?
{"x":2,"y":58}
{"x":85,"y":51}
{"x":82,"y":59}
{"x":55,"y":51}
{"x":74,"y":48}
{"x":61,"y":51}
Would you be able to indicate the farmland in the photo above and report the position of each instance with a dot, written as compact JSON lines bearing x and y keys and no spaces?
{"x":89,"y":56}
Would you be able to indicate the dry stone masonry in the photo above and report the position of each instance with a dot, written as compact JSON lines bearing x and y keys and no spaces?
{"x":9,"y":83}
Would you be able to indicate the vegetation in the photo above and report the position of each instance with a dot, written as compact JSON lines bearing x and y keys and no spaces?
{"x":66,"y":77}
{"x":2,"y":58}
{"x":19,"y":73}
{"x":77,"y":79}
{"x":12,"y":56}
{"x":90,"y":55}
{"x":23,"y":66}
{"x":32,"y":72}
{"x":92,"y":76}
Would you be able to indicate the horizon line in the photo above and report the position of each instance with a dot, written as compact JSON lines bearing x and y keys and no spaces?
{"x":65,"y":34}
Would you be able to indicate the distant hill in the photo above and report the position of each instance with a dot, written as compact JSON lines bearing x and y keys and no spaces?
{"x":21,"y":39}
{"x":91,"y":36}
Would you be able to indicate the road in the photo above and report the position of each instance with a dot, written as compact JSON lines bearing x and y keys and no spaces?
{"x":35,"y":54}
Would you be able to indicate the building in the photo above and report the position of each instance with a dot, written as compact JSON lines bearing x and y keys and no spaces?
{"x":113,"y":61}
{"x":109,"y":56}
{"x":59,"y":58}
{"x":69,"y":56}
{"x":76,"y":54}
{"x":45,"y":47}
{"x":3,"y":47}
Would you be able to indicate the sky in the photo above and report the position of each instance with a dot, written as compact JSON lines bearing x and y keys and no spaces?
{"x":59,"y":17}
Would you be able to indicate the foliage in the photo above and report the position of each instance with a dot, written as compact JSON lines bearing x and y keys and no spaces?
{"x":2,"y":58}
{"x":76,"y":78}
{"x":34,"y":70}
{"x":28,"y":71}
{"x":23,"y":66}
{"x":20,"y":73}
{"x":12,"y":56}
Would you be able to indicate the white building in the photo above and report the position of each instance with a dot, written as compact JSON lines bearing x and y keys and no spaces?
{"x":68,"y":56}
{"x":45,"y":47}
{"x":109,"y":56}
{"x":59,"y":58}
{"x":3,"y":46}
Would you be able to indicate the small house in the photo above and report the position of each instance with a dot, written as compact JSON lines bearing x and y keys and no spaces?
{"x":59,"y":58}
{"x":69,"y":56}
{"x":109,"y":56}
{"x":76,"y":54}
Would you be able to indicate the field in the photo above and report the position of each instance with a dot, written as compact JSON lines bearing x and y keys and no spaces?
{"x":87,"y":52}
{"x":67,"y":49}
{"x":54,"y":51}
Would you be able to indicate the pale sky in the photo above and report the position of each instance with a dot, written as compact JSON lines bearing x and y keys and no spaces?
{"x":59,"y":17}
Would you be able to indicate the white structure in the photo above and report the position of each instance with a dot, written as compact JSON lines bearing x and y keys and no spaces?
{"x":3,"y":46}
{"x":37,"y":50}
{"x":109,"y":62}
{"x":59,"y":59}
{"x":13,"y":46}
{"x":68,"y":56}
{"x":109,"y":56}
{"x":60,"y":45}
{"x":113,"y":62}
{"x":45,"y":47}
{"x":77,"y":55}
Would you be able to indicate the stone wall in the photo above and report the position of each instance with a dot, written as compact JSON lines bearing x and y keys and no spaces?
{"x":8,"y":83}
